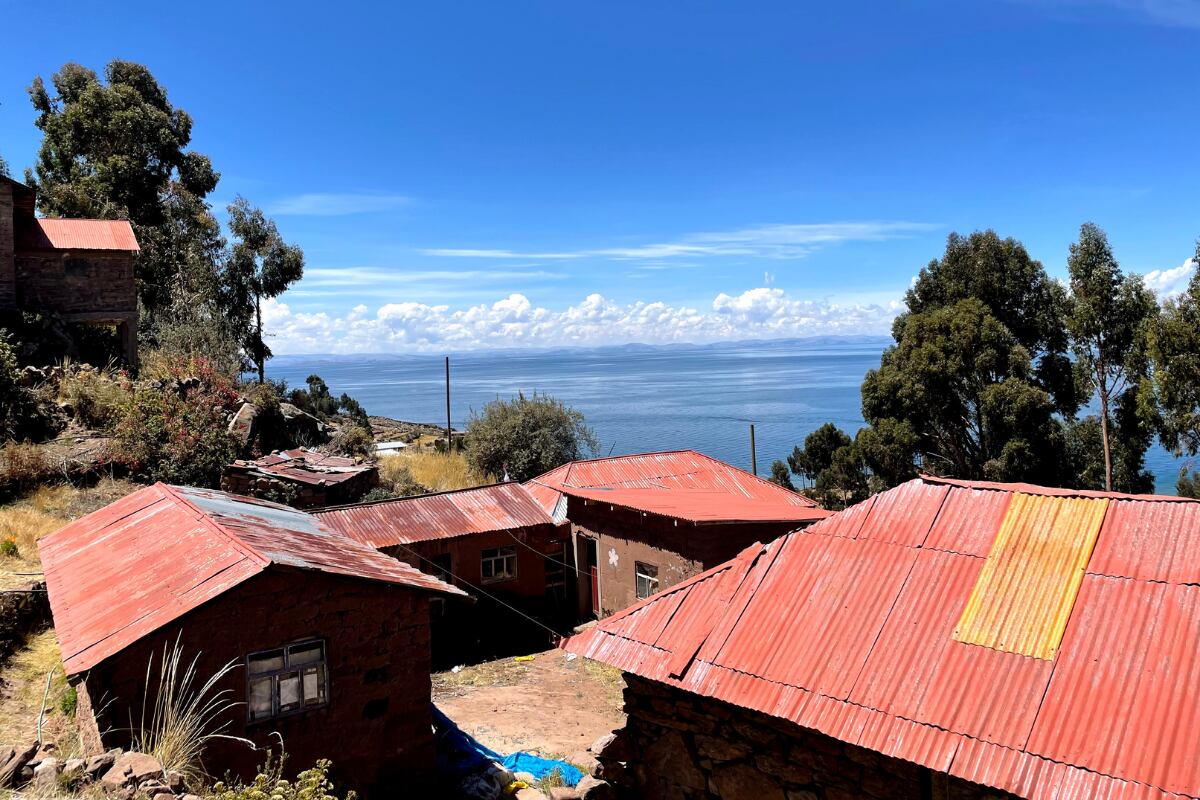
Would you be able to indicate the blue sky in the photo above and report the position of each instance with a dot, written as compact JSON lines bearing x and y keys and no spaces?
{"x":477,"y":174}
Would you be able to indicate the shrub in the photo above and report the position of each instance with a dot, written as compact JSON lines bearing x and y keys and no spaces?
{"x":20,"y":416}
{"x":431,"y":472}
{"x":97,"y":398}
{"x":379,"y":493}
{"x":23,"y":465}
{"x":527,"y":436}
{"x":8,"y":548}
{"x":269,"y":784}
{"x":396,"y":477}
{"x":353,"y":441}
{"x":175,"y":428}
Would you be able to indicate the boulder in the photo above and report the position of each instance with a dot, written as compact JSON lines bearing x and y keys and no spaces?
{"x":11,"y":772}
{"x":302,"y":426}
{"x":176,"y":781}
{"x":241,"y":425}
{"x":529,"y":794}
{"x":98,"y":764}
{"x":131,"y":769}
{"x":45,"y":774}
{"x":73,"y":769}
{"x":612,"y":746}
{"x":595,"y":789}
{"x":563,"y":793}
{"x":163,"y":796}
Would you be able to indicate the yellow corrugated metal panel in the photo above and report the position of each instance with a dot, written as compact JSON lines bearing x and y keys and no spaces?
{"x":1025,"y":592}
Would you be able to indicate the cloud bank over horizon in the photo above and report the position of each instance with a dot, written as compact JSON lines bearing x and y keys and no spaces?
{"x":513,"y":321}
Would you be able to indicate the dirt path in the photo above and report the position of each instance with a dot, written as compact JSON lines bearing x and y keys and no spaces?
{"x":550,"y":706}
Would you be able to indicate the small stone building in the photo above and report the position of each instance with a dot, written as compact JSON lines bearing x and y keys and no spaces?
{"x":80,"y":270}
{"x":329,"y":638}
{"x":943,"y":640}
{"x":496,"y":543}
{"x":642,"y":523}
{"x":301,"y":478}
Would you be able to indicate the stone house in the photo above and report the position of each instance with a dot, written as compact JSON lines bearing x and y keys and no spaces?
{"x":301,"y":478}
{"x":494,"y":542}
{"x":329,"y":638}
{"x":944,"y":639}
{"x":642,"y":523}
{"x":80,"y":270}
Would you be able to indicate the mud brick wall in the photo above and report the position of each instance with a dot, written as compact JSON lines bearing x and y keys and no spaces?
{"x":8,"y":278}
{"x":376,"y":727}
{"x":78,"y":282}
{"x":688,"y":747}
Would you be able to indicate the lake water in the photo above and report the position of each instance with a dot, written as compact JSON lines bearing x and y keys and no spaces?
{"x":641,"y":398}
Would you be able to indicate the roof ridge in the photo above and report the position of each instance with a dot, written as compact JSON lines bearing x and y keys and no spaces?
{"x":250,"y":552}
{"x":386,"y":500}
{"x":1050,"y":491}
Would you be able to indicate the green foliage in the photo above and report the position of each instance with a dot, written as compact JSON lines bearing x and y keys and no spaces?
{"x":1016,"y":291}
{"x":8,"y":548}
{"x":1174,"y":346}
{"x":117,"y":149}
{"x":174,"y":429}
{"x":269,"y":784}
{"x":379,"y":493}
{"x":261,"y":266}
{"x":68,"y":702}
{"x":193,"y":326}
{"x":270,"y":426}
{"x":316,"y":400}
{"x":353,"y":441}
{"x":98,"y":398}
{"x":1188,"y":484}
{"x":527,"y":436}
{"x":1111,"y":316}
{"x":964,"y":386}
{"x":817,"y":454}
{"x":4,"y":170}
{"x":781,"y":475}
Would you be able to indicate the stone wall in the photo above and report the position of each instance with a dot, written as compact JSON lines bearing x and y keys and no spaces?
{"x":22,"y":612}
{"x":681,"y":746}
{"x":251,"y":482}
{"x":79,"y":282}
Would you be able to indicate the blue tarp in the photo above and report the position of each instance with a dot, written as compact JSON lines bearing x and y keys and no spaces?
{"x":541,"y":767}
{"x":459,"y":754}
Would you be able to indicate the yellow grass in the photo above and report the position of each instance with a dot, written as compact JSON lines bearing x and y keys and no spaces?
{"x":21,"y":696}
{"x":437,"y":472}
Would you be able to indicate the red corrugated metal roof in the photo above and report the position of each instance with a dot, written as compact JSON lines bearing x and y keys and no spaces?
{"x":304,"y":466}
{"x":77,"y":234}
{"x":505,"y":506}
{"x":682,"y":484}
{"x":848,"y":628}
{"x":135,"y":565}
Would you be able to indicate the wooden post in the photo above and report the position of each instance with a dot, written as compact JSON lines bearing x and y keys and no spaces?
{"x":753,"y":455}
{"x":449,"y":436}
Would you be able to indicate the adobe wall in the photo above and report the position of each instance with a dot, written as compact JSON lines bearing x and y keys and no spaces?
{"x":78,"y":282}
{"x":681,"y":746}
{"x":376,"y":727}
{"x":8,"y":296}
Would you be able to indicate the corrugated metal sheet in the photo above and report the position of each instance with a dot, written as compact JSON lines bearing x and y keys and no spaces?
{"x":1026,"y":590}
{"x":77,"y":234}
{"x":847,"y":627}
{"x":126,"y":570}
{"x":304,"y":466}
{"x":505,"y":506}
{"x":682,"y":484}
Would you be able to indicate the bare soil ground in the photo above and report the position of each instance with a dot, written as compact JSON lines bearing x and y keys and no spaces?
{"x":549,"y":706}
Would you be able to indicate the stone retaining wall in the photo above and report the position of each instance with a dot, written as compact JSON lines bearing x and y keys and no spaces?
{"x":22,"y":612}
{"x":682,"y":746}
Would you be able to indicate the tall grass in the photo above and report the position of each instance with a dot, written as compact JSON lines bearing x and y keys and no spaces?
{"x":437,"y":472}
{"x":187,"y":714}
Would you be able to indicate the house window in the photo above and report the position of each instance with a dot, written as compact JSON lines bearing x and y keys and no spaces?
{"x":556,"y":576}
{"x":286,"y":680}
{"x":645,"y":578}
{"x":498,"y":564}
{"x":440,"y":566}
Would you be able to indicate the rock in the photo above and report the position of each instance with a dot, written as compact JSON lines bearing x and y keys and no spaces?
{"x":6,"y":754}
{"x":595,"y":789}
{"x":45,"y":774}
{"x":98,"y":764}
{"x":131,"y":769}
{"x":10,"y":772}
{"x":190,"y":797}
{"x":73,"y":769}
{"x":525,"y":777}
{"x":802,"y":794}
{"x":30,"y":377}
{"x":242,"y":423}
{"x":669,"y":756}
{"x":302,"y":426}
{"x":720,"y":749}
{"x":563,"y":793}
{"x":611,"y":771}
{"x":744,"y":782}
{"x":529,"y":794}
{"x":175,"y":781}
{"x":153,"y":788}
{"x":163,"y":796}
{"x":603,"y":742}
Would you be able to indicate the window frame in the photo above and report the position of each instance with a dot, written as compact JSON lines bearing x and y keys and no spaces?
{"x":285,"y":670}
{"x":641,"y":571}
{"x":503,"y":554}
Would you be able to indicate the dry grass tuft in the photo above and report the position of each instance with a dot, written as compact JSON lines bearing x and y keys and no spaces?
{"x":21,"y":696}
{"x":438,"y":472}
{"x":502,"y":672}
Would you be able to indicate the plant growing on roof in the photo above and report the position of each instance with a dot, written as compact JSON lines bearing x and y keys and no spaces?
{"x":260,"y":266}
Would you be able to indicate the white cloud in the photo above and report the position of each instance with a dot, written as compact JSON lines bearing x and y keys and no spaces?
{"x":1170,"y":282}
{"x":513,"y":321}
{"x":763,"y":241}
{"x":336,"y":205}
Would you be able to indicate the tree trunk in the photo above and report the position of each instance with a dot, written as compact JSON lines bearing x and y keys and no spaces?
{"x":1104,"y":437}
{"x":258,"y":345}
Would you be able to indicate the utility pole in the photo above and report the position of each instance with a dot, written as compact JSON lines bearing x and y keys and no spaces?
{"x":449,"y":431}
{"x":753,"y":455}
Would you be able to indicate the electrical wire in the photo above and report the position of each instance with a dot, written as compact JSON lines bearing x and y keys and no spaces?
{"x":488,"y":595}
{"x":571,"y":567}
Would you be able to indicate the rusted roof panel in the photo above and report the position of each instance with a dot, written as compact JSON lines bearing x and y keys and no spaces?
{"x":77,"y":234}
{"x":502,"y":507}
{"x":701,"y":505}
{"x":132,"y":567}
{"x":1028,"y":584}
{"x":841,"y":631}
